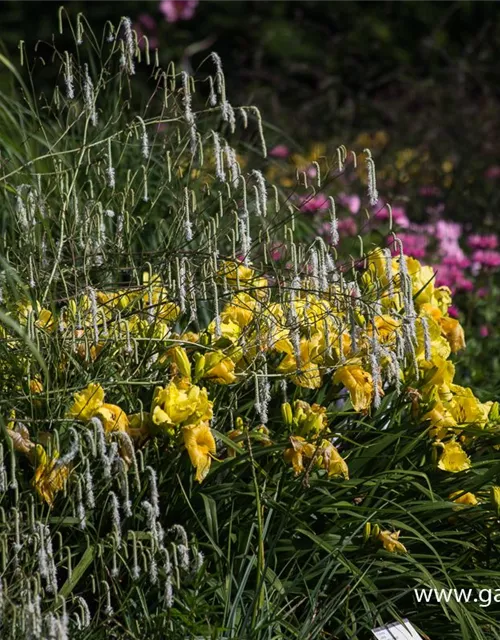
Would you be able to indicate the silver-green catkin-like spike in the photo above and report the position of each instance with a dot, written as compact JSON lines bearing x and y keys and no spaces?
{"x":197,"y":561}
{"x":334,"y":227}
{"x":73,"y":451}
{"x":109,"y":460}
{"x":88,"y":96}
{"x":181,"y":284}
{"x":375,"y":368}
{"x":128,"y":38}
{"x":283,"y":385}
{"x":260,"y":128}
{"x":372,"y":181}
{"x":219,"y":164}
{"x":108,"y":609}
{"x":89,"y":487}
{"x":115,"y":517}
{"x":261,"y":190}
{"x":228,"y":115}
{"x":128,"y":445}
{"x":315,"y":268}
{"x":186,"y":222}
{"x":244,"y":117}
{"x":136,"y":569}
{"x":232,"y":163}
{"x":396,"y":371}
{"x":245,"y":239}
{"x":212,"y":97}
{"x":144,"y":140}
{"x":22,"y":216}
{"x":169,"y":592}
{"x":151,"y":520}
{"x":124,"y":486}
{"x":153,"y":491}
{"x":68,"y":76}
{"x":427,"y":338}
{"x":219,"y":76}
{"x":86,"y":617}
{"x":388,"y":272}
{"x":188,"y":111}
{"x":93,"y":310}
{"x":80,"y":509}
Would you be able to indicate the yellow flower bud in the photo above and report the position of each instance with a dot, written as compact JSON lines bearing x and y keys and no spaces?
{"x":495,"y":498}
{"x":199,"y":365}
{"x":36,"y":386}
{"x":367,"y":531}
{"x":181,"y":359}
{"x":286,"y":413}
{"x":375,"y":531}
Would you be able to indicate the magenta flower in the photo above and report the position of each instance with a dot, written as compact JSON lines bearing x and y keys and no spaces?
{"x":175,"y":10}
{"x":312,"y":204}
{"x":353,"y":203}
{"x":415,"y":245}
{"x":489,"y":259}
{"x":280,"y":151}
{"x":484,"y":331}
{"x":477,"y":241}
{"x":493,"y":172}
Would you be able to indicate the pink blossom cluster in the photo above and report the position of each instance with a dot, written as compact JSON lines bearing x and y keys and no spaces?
{"x":175,"y":10}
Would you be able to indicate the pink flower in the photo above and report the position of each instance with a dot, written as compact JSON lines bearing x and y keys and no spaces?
{"x":415,"y":245}
{"x":492,"y":172}
{"x":174,"y":10}
{"x":482,"y":292}
{"x":280,"y":151}
{"x":347,"y":227}
{"x":312,"y":204}
{"x":429,"y":190}
{"x":489,"y":259}
{"x":483,"y":242}
{"x":353,"y":202}
{"x":484,"y":331}
{"x":453,"y":311}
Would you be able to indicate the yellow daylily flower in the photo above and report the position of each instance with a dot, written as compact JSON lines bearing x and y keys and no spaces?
{"x":306,"y":373}
{"x":36,"y":386}
{"x":441,"y":420}
{"x":227,"y":329}
{"x":438,"y":374}
{"x":463,"y":498}
{"x":219,"y":368}
{"x":179,"y":404}
{"x":49,"y":475}
{"x":299,"y":450}
{"x":307,"y":419}
{"x":453,"y":332}
{"x":46,"y":320}
{"x":453,"y":457}
{"x":331,"y":460}
{"x":112,"y":417}
{"x":422,"y":278}
{"x":240,"y":310}
{"x":390,"y":541}
{"x":181,"y":360}
{"x":87,"y":402}
{"x":465,"y":407}
{"x":200,"y":445}
{"x":358,"y":382}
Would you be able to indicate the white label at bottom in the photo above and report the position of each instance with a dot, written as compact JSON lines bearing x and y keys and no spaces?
{"x":397,"y":631}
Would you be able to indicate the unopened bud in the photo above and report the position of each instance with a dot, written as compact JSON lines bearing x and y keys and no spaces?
{"x":286,"y":412}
